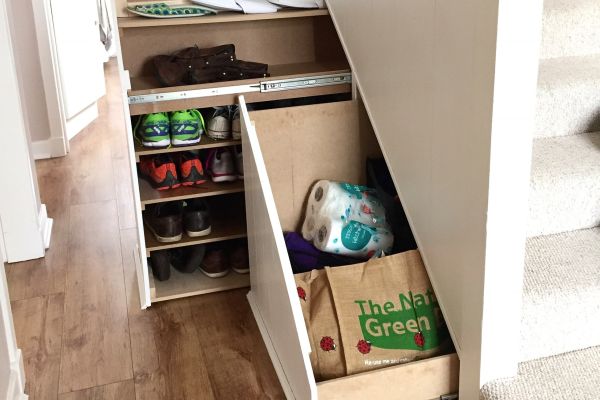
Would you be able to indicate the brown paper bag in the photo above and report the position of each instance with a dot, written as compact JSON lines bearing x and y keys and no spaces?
{"x":379,"y":313}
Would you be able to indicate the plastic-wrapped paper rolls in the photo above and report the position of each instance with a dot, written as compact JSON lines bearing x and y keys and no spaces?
{"x":346,"y":202}
{"x":309,"y":226}
{"x":351,"y":238}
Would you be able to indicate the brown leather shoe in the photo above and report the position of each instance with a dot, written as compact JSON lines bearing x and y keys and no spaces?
{"x":239,"y":258}
{"x":160,"y":262}
{"x":215,"y":263}
{"x":165,"y":221}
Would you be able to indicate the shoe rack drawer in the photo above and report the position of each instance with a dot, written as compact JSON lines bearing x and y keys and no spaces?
{"x":285,"y":152}
{"x":297,"y":45}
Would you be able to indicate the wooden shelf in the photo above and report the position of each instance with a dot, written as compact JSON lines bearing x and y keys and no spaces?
{"x":220,"y":18}
{"x":145,"y":85}
{"x":224,"y":227}
{"x":149,"y":195}
{"x":183,"y":285}
{"x":205,"y":143}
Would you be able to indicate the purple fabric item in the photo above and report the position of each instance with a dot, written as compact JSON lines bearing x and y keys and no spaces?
{"x":305,"y":257}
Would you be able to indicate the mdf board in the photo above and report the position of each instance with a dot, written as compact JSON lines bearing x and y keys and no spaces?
{"x":452,"y":107}
{"x":285,"y":152}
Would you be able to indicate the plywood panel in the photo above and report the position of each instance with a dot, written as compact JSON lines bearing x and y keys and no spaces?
{"x":326,"y":141}
{"x":283,"y":41}
{"x":96,"y":346}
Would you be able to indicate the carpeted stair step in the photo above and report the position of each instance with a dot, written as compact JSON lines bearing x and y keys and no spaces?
{"x":570,"y":28}
{"x":570,"y":376}
{"x":568,"y":98}
{"x":565,"y":184}
{"x":561,"y":294}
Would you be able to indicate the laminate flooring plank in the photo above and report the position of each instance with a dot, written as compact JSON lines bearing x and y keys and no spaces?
{"x":114,"y":391}
{"x":167,"y":357}
{"x":96,"y":344}
{"x":240,"y":367}
{"x":38,"y":327}
{"x":124,"y":193}
{"x":167,"y":353}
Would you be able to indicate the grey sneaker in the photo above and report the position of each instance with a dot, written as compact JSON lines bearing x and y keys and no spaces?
{"x":219,"y":124}
{"x":221,"y":165}
{"x":236,"y":130}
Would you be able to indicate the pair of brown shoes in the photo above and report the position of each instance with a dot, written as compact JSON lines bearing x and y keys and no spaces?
{"x":220,"y":259}
{"x":167,"y":221}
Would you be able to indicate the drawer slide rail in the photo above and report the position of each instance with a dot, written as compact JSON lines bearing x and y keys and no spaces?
{"x":304,"y":82}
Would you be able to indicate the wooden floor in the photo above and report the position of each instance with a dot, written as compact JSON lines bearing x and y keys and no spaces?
{"x":77,"y":314}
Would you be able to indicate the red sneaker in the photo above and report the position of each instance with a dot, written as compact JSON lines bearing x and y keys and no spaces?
{"x":160,"y":171}
{"x":191,"y":170}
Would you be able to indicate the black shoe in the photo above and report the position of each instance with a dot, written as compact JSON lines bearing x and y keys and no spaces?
{"x":164,"y":221}
{"x":196,"y":220}
{"x":160,"y":261}
{"x":187,"y":260}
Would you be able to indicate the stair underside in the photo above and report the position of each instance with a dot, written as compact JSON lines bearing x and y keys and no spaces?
{"x":561,"y":294}
{"x":565,"y":184}
{"x":568,"y":97}
{"x":570,"y":28}
{"x":570,"y":376}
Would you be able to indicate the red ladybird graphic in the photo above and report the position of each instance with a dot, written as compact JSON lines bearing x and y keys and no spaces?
{"x":419,"y":339}
{"x":327,"y":343}
{"x":301,"y":293}
{"x":366,"y":209}
{"x":363,"y":346}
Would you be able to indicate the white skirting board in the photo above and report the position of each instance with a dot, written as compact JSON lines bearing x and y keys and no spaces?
{"x":45,"y":225}
{"x":49,"y":148}
{"x":16,"y":383}
{"x":81,"y":120}
{"x":270,"y":349}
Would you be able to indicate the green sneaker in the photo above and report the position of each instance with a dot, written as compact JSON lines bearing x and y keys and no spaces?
{"x":186,"y":127}
{"x":153,"y":130}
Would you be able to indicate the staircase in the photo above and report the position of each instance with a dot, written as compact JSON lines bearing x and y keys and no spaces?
{"x":560,"y":328}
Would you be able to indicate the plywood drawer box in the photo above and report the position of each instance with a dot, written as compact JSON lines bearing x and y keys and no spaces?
{"x":285,"y":151}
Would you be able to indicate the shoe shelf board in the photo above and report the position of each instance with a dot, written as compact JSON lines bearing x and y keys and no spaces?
{"x":205,"y":143}
{"x":224,"y":227}
{"x":183,"y":285}
{"x":220,"y":18}
{"x":287,"y":81}
{"x":149,"y":195}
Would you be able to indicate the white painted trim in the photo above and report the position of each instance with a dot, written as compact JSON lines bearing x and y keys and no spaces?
{"x":16,"y":383}
{"x":270,"y":348}
{"x":76,"y":124}
{"x":49,"y":148}
{"x":45,"y":225}
{"x":44,"y":28}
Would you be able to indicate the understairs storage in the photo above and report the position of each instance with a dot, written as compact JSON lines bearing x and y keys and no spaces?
{"x":560,"y":344}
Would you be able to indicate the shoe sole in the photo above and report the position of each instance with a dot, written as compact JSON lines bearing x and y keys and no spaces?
{"x":178,"y":142}
{"x":160,"y":143}
{"x":241,"y":271}
{"x":199,"y":233}
{"x":170,"y":182}
{"x":214,"y":274}
{"x":224,"y":178}
{"x":218,"y":135}
{"x":163,"y":239}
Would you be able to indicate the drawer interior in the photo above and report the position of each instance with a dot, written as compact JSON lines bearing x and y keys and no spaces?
{"x":291,"y":47}
{"x":301,"y":145}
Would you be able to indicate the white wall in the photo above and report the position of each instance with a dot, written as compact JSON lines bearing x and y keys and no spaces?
{"x":450,"y":87}
{"x":25,"y":226}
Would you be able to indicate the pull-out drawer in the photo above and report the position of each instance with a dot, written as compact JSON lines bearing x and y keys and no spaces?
{"x":285,"y":152}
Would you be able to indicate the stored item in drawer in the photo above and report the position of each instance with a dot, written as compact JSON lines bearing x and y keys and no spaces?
{"x":163,"y":10}
{"x":305,"y":257}
{"x":370,"y":315}
{"x":193,"y":65}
